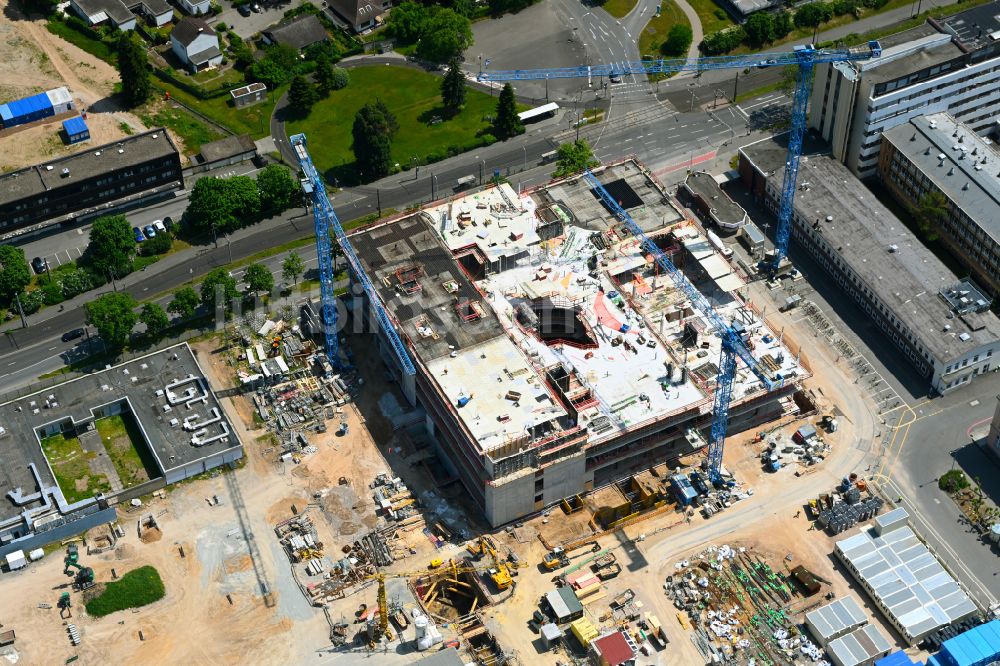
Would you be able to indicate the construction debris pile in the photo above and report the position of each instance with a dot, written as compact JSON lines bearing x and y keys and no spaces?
{"x":395,"y":500}
{"x":294,"y":388}
{"x":738,"y":607}
{"x":297,"y":536}
{"x":807,"y":447}
{"x":851,"y":503}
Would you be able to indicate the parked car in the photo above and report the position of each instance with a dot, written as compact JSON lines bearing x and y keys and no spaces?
{"x":244,"y":10}
{"x":138,"y":234}
{"x":159,"y":226}
{"x":39,"y":265}
{"x":72,"y":335}
{"x":149,"y":230}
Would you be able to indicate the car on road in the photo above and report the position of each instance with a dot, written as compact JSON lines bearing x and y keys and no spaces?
{"x":72,"y":335}
{"x":615,"y":77}
{"x":770,"y":62}
{"x":149,"y":230}
{"x":39,"y":265}
{"x":137,"y":232}
{"x":244,"y":10}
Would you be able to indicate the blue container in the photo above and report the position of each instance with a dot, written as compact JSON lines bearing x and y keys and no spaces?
{"x":26,"y":110}
{"x":76,"y":130}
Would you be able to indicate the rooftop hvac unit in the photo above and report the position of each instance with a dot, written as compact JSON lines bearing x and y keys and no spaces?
{"x":964,"y":337}
{"x":947,"y":327}
{"x":893,"y":248}
{"x":64,"y":172}
{"x":933,"y":124}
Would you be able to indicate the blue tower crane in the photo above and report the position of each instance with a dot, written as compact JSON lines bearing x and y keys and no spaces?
{"x":324,"y":218}
{"x":733,"y":345}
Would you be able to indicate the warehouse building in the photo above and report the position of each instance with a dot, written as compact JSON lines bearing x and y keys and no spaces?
{"x":936,"y":153}
{"x":180,"y":424}
{"x":947,"y":65}
{"x":836,"y":619}
{"x":37,"y":107}
{"x":941,"y":324}
{"x":552,"y":357}
{"x":713,"y":205}
{"x":95,"y":181}
{"x":911,"y":588}
{"x":861,"y":647}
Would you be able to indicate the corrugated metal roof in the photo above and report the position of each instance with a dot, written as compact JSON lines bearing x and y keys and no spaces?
{"x":836,"y":618}
{"x":24,"y":107}
{"x":74,"y":126}
{"x":899,"y":571}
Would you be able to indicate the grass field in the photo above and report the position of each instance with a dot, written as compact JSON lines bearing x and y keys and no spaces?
{"x":712,"y":16}
{"x":656,"y":30}
{"x":120,"y":435}
{"x":90,"y":45}
{"x":415,"y":99}
{"x":139,"y":587}
{"x":192,"y":131}
{"x":619,"y":8}
{"x":69,"y":464}
{"x":253,"y":120}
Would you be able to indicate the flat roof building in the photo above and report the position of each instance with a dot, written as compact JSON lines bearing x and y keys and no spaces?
{"x":904,"y":579}
{"x":946,"y":65}
{"x":714,"y":205}
{"x":177,"y":424}
{"x":93,"y":181}
{"x":836,"y":619}
{"x":914,"y":298}
{"x":861,"y":647}
{"x":937,"y":154}
{"x":549,"y":350}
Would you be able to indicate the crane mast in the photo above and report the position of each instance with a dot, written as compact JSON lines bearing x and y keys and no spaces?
{"x":734,"y":347}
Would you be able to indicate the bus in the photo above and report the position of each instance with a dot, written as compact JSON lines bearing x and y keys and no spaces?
{"x":538,"y":113}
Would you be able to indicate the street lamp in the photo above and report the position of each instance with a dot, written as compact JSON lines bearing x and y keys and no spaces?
{"x":525,"y":149}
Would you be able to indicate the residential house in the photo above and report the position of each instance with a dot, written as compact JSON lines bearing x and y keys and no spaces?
{"x":298,"y":33}
{"x":196,"y":44}
{"x":122,"y":15}
{"x":360,"y":15}
{"x":195,"y":7}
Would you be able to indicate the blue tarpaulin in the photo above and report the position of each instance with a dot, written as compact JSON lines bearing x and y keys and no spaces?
{"x":976,"y":647}
{"x":26,"y":110}
{"x":896,"y":659}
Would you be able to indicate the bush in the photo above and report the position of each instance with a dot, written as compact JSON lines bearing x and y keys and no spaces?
{"x":953,"y":481}
{"x":52,"y":293}
{"x":31,"y":301}
{"x":75,"y":282}
{"x":723,"y":41}
{"x":221,"y":26}
{"x":678,"y":41}
{"x":138,"y":587}
{"x":158,"y":244}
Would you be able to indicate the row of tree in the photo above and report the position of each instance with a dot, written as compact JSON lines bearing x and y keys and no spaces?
{"x":114,"y":315}
{"x":765,"y":27}
{"x":303,"y":94}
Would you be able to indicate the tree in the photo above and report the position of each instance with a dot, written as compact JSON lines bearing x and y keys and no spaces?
{"x":573,"y":157}
{"x":302,"y":95}
{"x":408,"y":21}
{"x":340,"y":78}
{"x":323,"y":75}
{"x":453,"y":88}
{"x":158,"y":244}
{"x":133,"y":68}
{"x":276,"y":187}
{"x":279,"y":64}
{"x":185,"y":302}
{"x":931,"y":212}
{"x":155,"y":319}
{"x":226,"y":283}
{"x":446,"y":35}
{"x":111,"y":247}
{"x":14,"y":272}
{"x":813,"y":14}
{"x":113,"y":317}
{"x":258,"y":278}
{"x":374,"y":126}
{"x":228,"y":203}
{"x":678,"y":40}
{"x":506,"y":123}
{"x":759,"y":28}
{"x":292,"y":267}
{"x":723,"y":41}
{"x":782,"y":24}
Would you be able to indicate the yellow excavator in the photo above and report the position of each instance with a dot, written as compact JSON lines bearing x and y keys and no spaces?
{"x":500,"y":572}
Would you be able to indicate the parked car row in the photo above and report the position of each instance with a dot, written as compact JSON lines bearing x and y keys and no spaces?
{"x":150,"y":230}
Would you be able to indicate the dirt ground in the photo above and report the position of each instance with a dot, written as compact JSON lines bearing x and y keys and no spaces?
{"x":33,"y":60}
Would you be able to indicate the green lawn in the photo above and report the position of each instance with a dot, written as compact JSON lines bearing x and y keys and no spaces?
{"x":138,"y":587}
{"x":414,"y":97}
{"x":619,"y":8}
{"x":712,"y":16}
{"x":253,"y":120}
{"x":123,"y":441}
{"x":89,"y":44}
{"x":69,"y":463}
{"x":656,"y":30}
{"x":192,"y":131}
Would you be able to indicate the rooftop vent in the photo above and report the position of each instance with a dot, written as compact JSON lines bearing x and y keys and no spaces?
{"x":975,"y":151}
{"x":64,"y":172}
{"x":933,"y":124}
{"x":941,"y":157}
{"x":927,"y":151}
{"x":121,"y":151}
{"x":155,"y":135}
{"x":951,"y":171}
{"x":97,"y":153}
{"x":947,"y":327}
{"x":913,"y":137}
{"x":964,"y":337}
{"x":893,"y":248}
{"x":979,"y":167}
{"x":48,"y":167}
{"x":955,"y":133}
{"x":829,"y":218}
{"x":961,"y":139}
{"x":966,"y":186}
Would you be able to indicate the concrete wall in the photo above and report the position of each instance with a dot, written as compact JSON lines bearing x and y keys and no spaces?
{"x":64,"y":531}
{"x":511,"y":500}
{"x":199,"y":466}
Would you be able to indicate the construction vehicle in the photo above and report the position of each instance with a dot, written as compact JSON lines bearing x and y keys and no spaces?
{"x":735,"y":338}
{"x":64,"y":604}
{"x":501,"y":571}
{"x":559,"y":556}
{"x":435,"y":563}
{"x":84,"y":576}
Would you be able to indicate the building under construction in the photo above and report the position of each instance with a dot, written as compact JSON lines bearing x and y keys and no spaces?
{"x":551,"y":355}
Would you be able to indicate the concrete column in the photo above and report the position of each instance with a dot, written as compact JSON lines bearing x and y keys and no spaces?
{"x":993,"y":438}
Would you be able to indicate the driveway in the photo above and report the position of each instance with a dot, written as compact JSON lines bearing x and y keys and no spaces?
{"x":248,"y":26}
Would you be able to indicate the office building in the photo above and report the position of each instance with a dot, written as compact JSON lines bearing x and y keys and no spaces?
{"x":936,"y":153}
{"x":549,"y":350}
{"x":94,"y":181}
{"x":949,"y":65}
{"x":942,"y":324}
